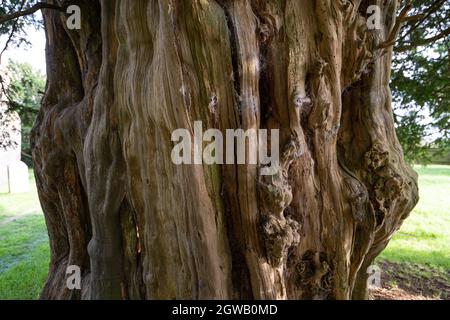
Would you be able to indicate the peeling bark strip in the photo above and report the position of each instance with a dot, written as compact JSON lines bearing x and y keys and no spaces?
{"x":141,"y":227}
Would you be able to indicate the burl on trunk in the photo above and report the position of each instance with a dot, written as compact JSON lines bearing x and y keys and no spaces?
{"x":141,"y":227}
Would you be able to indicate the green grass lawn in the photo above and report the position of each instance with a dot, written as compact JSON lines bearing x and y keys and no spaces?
{"x":24,"y":251}
{"x":418,"y":257}
{"x":421,"y":246}
{"x":424,"y":238}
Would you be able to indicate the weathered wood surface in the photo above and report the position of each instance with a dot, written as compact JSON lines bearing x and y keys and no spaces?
{"x":143,"y":228}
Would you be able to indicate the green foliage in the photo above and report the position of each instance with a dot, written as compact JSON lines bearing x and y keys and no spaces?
{"x":410,"y":132}
{"x":24,"y":92}
{"x":25,"y":89}
{"x":421,"y":82}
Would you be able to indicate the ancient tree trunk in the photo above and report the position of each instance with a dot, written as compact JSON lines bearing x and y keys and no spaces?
{"x":141,"y":227}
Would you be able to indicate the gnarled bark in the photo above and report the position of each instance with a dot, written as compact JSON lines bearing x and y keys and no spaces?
{"x":142,"y":227}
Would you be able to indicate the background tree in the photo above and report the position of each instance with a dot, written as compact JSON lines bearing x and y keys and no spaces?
{"x":13,"y":34}
{"x":141,"y":227}
{"x":23,"y":94}
{"x":421,"y":81}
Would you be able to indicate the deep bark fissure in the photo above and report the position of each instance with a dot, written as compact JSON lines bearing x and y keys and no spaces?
{"x":234,"y":54}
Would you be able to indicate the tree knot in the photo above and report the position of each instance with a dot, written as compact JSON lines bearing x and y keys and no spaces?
{"x":377,"y":157}
{"x":314,"y":275}
{"x":279,"y":234}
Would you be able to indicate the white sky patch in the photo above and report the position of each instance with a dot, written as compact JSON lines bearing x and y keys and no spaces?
{"x":33,"y":54}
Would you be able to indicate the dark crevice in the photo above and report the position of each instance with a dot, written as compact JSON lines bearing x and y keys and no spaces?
{"x":240,"y":274}
{"x":132,"y":274}
{"x":265,"y":83}
{"x":242,"y":289}
{"x":234,"y":58}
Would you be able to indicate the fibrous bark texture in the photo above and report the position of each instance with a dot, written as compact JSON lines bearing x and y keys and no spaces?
{"x":141,"y":227}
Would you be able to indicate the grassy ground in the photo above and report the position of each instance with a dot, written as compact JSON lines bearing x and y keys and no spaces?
{"x":24,"y":252}
{"x":425,"y":236}
{"x":417,"y":261}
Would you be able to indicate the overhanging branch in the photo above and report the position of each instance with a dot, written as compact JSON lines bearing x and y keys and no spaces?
{"x":423,"y":42}
{"x":416,"y":20}
{"x":30,"y":10}
{"x":398,"y":24}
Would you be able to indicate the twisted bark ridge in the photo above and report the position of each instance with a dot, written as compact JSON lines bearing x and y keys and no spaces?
{"x":141,"y":227}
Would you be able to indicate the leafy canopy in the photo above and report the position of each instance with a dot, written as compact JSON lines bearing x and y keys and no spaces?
{"x":421,"y":81}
